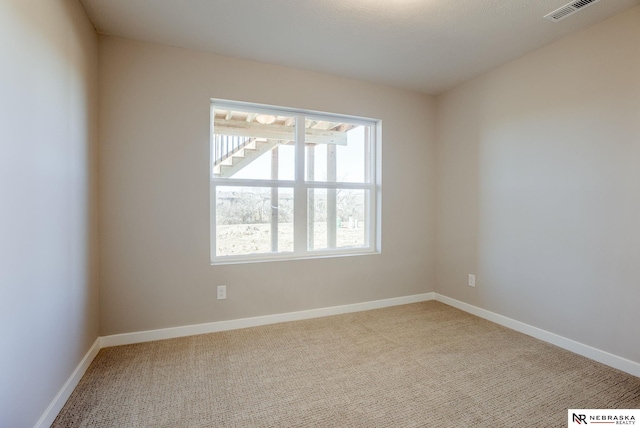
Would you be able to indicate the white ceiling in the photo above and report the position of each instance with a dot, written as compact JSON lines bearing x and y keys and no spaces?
{"x":423,"y":45}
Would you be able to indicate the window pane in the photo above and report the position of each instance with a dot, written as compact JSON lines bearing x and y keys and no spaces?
{"x":353,"y":220}
{"x":337,"y":152}
{"x":317,"y":219}
{"x":253,"y":145}
{"x":337,"y":218}
{"x":253,"y":220}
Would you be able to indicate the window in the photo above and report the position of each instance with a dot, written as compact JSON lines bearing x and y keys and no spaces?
{"x":289,"y":184}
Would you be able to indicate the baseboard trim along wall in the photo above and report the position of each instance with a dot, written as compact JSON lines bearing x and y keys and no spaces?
{"x":58,"y":402}
{"x":603,"y":357}
{"x":191,"y":330}
{"x":595,"y":354}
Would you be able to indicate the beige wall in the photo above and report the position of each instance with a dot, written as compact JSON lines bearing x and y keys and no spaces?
{"x":538,"y":182}
{"x":48,"y":296}
{"x":154,"y":191}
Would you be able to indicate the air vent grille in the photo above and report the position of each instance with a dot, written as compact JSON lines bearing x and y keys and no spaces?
{"x":569,"y":9}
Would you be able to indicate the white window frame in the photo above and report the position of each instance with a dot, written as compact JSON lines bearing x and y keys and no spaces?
{"x":300,"y":186}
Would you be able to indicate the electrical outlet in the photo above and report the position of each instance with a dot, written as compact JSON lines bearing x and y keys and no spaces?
{"x":472,"y":280}
{"x":222,"y":292}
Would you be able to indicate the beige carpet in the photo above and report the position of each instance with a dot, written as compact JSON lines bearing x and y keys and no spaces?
{"x":418,"y":365}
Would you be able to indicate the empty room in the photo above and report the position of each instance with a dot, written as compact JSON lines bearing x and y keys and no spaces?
{"x":329,"y":213}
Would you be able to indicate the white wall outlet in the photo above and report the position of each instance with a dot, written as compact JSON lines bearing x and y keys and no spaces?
{"x":222,"y":292}
{"x":472,"y":280}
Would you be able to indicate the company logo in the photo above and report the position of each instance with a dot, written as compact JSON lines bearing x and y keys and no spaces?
{"x":581,"y":417}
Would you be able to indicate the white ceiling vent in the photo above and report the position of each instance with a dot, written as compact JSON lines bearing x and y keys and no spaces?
{"x":569,"y":9}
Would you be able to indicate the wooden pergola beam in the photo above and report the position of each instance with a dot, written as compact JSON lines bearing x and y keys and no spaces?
{"x":243,"y":128}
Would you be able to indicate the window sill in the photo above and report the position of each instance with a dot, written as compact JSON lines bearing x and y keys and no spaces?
{"x":285,"y":257}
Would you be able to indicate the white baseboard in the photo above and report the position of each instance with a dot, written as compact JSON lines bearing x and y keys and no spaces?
{"x":58,"y":402}
{"x":63,"y":395}
{"x":190,"y":330}
{"x":595,"y":354}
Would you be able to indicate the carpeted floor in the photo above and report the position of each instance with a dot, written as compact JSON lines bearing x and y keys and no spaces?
{"x":419,"y":365}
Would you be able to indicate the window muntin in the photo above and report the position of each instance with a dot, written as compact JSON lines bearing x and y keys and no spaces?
{"x":289,"y":184}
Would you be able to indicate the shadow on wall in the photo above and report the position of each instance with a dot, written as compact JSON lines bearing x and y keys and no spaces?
{"x":48,"y":83}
